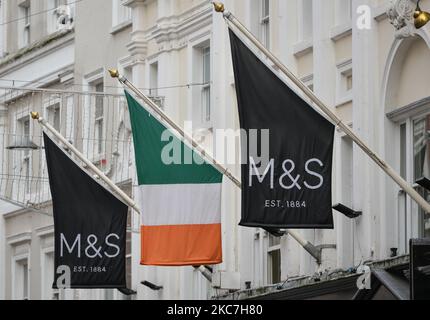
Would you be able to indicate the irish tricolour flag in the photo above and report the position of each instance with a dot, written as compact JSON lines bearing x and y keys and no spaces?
{"x":180,"y":202}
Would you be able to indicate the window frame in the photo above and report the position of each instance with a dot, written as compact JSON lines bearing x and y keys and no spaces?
{"x":423,"y":192}
{"x":25,"y":159}
{"x":271,"y":249}
{"x":305,"y":34}
{"x":343,"y":94}
{"x":264,"y":23}
{"x":24,"y":24}
{"x":340,"y":7}
{"x":18,"y":262}
{"x":206,"y":92}
{"x":99,"y":121}
{"x":91,"y":80}
{"x":46,"y":284}
{"x":408,"y":212}
{"x":50,"y":104}
{"x":121,"y":15}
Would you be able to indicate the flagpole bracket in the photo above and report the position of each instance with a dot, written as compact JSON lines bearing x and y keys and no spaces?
{"x":314,"y":251}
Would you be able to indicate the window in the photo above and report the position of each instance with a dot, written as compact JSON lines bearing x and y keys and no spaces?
{"x":53,"y":15}
{"x":25,"y":280}
{"x":403,"y":144}
{"x":274,"y":260}
{"x":54,"y":116}
{"x":421,"y":147}
{"x":344,"y":82}
{"x":128,"y":253}
{"x":265,"y":22}
{"x":309,"y":81}
{"x":120,"y":13}
{"x":24,"y":24}
{"x":305,"y":20}
{"x":414,"y":164}
{"x":206,"y":87}
{"x":26,"y":159}
{"x":201,"y":92}
{"x":153,"y":79}
{"x":347,"y":154}
{"x":99,"y":118}
{"x":23,"y":140}
{"x":48,"y":277}
{"x":21,"y":280}
{"x":60,"y":15}
{"x":153,"y":85}
{"x":2,"y":29}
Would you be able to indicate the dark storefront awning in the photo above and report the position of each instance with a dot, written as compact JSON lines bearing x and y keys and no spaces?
{"x":386,"y":286}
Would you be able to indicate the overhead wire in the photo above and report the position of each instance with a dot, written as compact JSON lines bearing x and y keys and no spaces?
{"x":36,"y":13}
{"x":187,"y":85}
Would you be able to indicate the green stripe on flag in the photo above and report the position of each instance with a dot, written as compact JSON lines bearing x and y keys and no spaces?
{"x":148,"y":148}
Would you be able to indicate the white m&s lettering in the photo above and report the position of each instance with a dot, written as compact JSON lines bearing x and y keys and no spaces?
{"x":288,"y":180}
{"x":92,"y":250}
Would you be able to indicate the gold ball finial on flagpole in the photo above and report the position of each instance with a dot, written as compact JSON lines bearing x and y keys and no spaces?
{"x":35,"y":115}
{"x":114,"y":73}
{"x":219,"y":6}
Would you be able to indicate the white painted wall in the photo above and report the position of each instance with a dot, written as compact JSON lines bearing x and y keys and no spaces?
{"x":171,"y":43}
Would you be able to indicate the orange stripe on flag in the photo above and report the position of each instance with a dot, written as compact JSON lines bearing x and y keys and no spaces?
{"x":180,"y":245}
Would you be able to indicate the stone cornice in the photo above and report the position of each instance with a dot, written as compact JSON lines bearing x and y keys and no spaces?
{"x":20,"y":238}
{"x":38,"y":50}
{"x":413,"y":108}
{"x":176,"y":27}
{"x":170,"y":32}
{"x":134,"y":3}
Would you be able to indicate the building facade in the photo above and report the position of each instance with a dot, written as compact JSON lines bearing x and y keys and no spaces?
{"x":363,"y":58}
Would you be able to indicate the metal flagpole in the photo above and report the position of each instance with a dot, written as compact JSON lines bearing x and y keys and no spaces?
{"x":309,"y":247}
{"x":100,"y":174}
{"x":232,"y":20}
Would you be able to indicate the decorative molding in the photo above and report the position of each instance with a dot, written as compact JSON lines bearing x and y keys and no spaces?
{"x":45,"y":231}
{"x":346,"y":63}
{"x":138,"y":49}
{"x":134,"y":3}
{"x":125,"y":62}
{"x":94,"y":75}
{"x":302,"y":48}
{"x":409,"y":110}
{"x":120,"y":27}
{"x":22,"y":59}
{"x":308,"y":79}
{"x":19,"y":238}
{"x":380,"y":12}
{"x":180,"y":26}
{"x":401,"y":15}
{"x":343,"y":96}
{"x":340,"y":32}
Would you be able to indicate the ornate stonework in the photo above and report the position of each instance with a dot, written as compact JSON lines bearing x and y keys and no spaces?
{"x":401,"y":16}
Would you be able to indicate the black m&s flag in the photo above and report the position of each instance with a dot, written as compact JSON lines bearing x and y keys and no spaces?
{"x":90,"y":226}
{"x":292,"y":188}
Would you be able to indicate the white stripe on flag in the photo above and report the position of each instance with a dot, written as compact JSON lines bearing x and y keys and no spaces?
{"x":180,"y":204}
